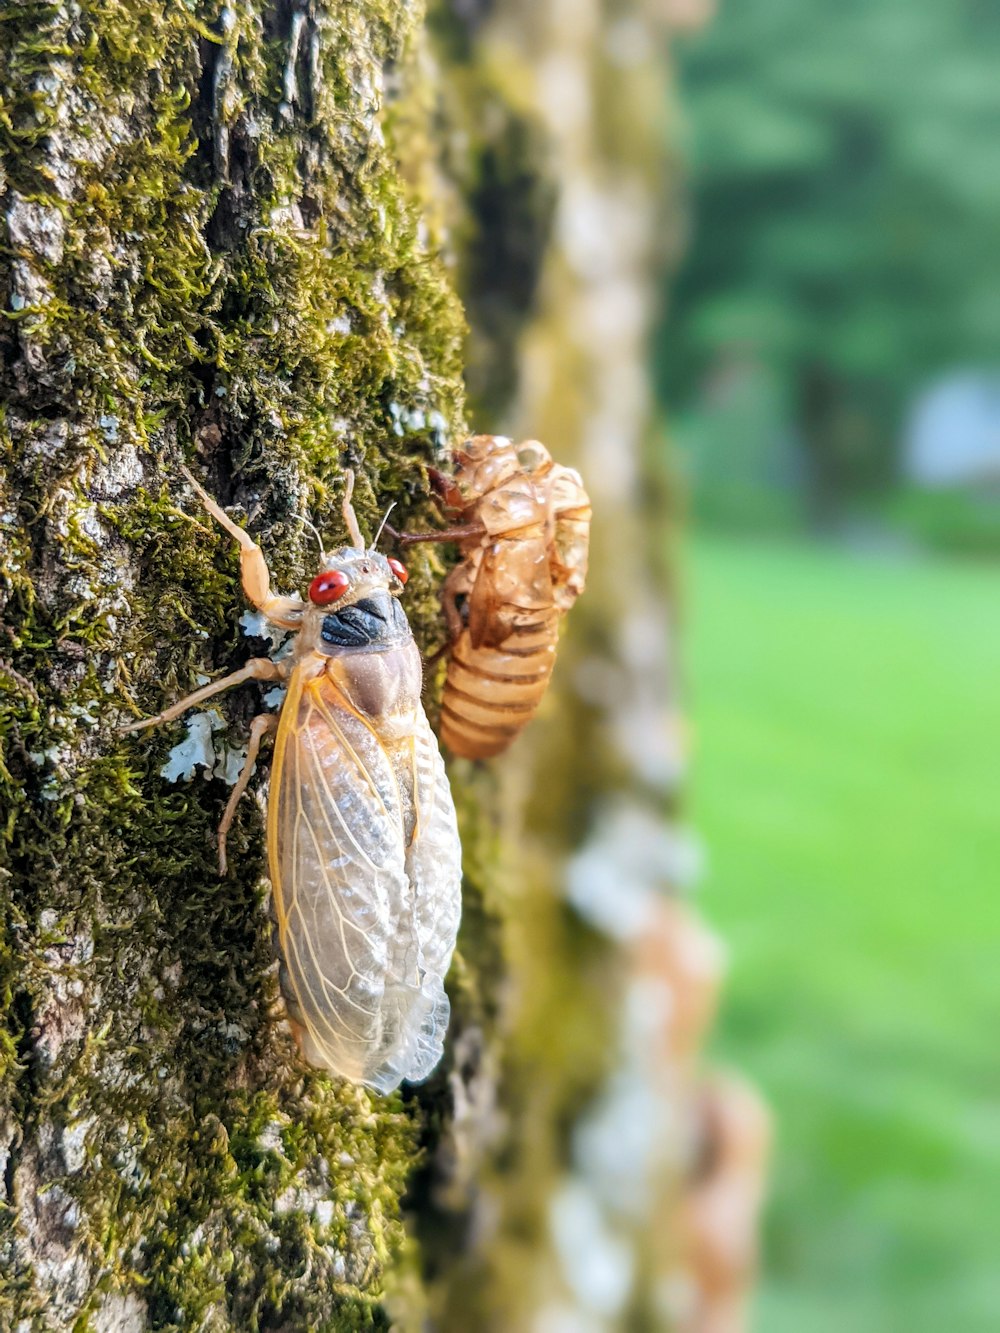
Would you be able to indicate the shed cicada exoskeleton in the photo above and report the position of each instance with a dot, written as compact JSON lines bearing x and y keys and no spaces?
{"x":363,"y":846}
{"x":523,"y":530}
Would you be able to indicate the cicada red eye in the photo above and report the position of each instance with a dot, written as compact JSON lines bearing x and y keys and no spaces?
{"x":399,"y":569}
{"x":327,"y":587}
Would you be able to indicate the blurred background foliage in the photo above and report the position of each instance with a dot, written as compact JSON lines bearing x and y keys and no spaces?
{"x":845,"y":164}
{"x":846,"y":785}
{"x":828,"y":367}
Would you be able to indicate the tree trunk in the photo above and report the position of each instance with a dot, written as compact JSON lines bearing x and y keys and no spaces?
{"x":214,"y":254}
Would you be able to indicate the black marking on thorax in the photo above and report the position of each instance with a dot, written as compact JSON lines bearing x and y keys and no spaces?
{"x":378,"y":620}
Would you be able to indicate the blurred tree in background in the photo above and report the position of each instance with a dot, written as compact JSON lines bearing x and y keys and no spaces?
{"x":846,"y":184}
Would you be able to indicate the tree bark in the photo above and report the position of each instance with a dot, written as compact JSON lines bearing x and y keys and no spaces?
{"x":214,"y":252}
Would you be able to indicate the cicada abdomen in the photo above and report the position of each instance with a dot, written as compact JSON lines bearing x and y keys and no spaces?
{"x":363,"y":846}
{"x":524,"y":546}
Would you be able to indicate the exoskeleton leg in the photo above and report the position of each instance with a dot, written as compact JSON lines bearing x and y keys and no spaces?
{"x":457,"y":584}
{"x":445,"y":535}
{"x":256,"y":579}
{"x":258,"y":668}
{"x":259,"y":727}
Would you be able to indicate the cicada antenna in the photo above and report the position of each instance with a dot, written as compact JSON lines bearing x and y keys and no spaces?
{"x":381,"y":526}
{"x":319,"y":540}
{"x":350,"y":518}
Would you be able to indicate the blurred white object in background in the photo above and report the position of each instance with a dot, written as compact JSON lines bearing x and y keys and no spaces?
{"x":952,"y":437}
{"x":619,"y":877}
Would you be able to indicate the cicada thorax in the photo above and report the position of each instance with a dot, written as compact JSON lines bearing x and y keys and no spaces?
{"x":516,"y":581}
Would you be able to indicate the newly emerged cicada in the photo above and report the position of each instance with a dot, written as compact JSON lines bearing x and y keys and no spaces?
{"x":363,"y":847}
{"x":523,"y":532}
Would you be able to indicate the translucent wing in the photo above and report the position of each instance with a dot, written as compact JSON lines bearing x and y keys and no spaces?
{"x":351,"y":928}
{"x":434,"y":869}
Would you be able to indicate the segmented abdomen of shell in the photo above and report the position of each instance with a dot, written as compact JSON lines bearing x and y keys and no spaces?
{"x":491,"y":693}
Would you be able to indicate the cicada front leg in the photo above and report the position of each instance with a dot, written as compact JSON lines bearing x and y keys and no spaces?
{"x":258,"y":668}
{"x":255,"y":576}
{"x":259,"y":727}
{"x":457,"y":584}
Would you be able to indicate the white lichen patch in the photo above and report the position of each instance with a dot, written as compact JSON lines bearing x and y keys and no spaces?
{"x":119,"y":473}
{"x":407,"y":419}
{"x":44,"y":1244}
{"x":270,"y":1138}
{"x":257,"y":626}
{"x":47,"y":443}
{"x":196,"y":750}
{"x":620,"y":874}
{"x":235,"y":1034}
{"x":84,"y":714}
{"x":73,"y":1144}
{"x":193,"y":1243}
{"x":29,"y":288}
{"x":596,"y":1263}
{"x":121,"y":1314}
{"x":35,"y":226}
{"x":229,"y":763}
{"x":9,"y":1131}
{"x":88,"y":524}
{"x":200,"y":749}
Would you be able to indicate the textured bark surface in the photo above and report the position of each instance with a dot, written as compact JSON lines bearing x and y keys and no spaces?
{"x":214,"y":251}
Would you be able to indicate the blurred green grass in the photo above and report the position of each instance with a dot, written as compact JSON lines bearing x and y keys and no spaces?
{"x":847,"y":785}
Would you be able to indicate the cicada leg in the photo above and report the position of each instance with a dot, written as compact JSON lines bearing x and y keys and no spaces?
{"x":446,"y":488}
{"x":457,"y":584}
{"x":256,"y":579}
{"x":445,"y":535}
{"x":258,"y":668}
{"x":259,"y":727}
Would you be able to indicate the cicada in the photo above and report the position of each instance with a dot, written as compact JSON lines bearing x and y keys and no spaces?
{"x":524,"y":528}
{"x":362,"y":841}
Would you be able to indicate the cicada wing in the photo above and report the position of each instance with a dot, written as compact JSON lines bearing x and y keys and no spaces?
{"x":363,"y":958}
{"x":337,"y":859}
{"x":434,"y":868}
{"x":422,"y":944}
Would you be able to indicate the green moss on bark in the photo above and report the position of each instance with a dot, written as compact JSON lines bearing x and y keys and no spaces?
{"x":212,"y":253}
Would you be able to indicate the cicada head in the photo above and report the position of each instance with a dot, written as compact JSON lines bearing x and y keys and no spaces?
{"x":354,"y":603}
{"x":534,"y":458}
{"x":353,"y":600}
